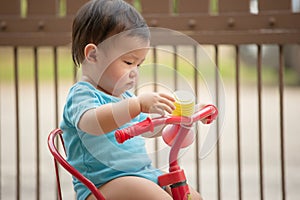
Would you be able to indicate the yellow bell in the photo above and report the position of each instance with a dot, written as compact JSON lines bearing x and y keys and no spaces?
{"x":184,"y":103}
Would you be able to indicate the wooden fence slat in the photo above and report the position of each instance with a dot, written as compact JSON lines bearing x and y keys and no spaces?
{"x":45,"y":7}
{"x":192,"y":6}
{"x":274,"y":5}
{"x":242,"y":22}
{"x":156,"y":6}
{"x":11,"y":7}
{"x":225,"y":38}
{"x":230,"y":6}
{"x":245,"y":22}
{"x":73,"y":6}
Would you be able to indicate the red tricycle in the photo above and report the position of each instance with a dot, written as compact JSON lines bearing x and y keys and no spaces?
{"x":176,"y":134}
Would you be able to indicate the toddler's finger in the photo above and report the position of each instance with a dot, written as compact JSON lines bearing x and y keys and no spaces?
{"x":167,"y":97}
{"x":168,"y":103}
{"x":167,"y":108}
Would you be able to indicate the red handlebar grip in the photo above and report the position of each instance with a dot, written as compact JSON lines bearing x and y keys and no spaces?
{"x":135,"y":130}
{"x":122,"y":135}
{"x":214,"y":114}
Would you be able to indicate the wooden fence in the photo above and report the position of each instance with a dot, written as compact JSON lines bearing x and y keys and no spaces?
{"x":36,"y":25}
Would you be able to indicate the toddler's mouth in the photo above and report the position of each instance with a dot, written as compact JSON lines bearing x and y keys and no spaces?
{"x":130,"y":84}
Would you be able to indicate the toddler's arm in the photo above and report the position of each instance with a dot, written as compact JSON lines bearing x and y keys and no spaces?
{"x":109,"y":117}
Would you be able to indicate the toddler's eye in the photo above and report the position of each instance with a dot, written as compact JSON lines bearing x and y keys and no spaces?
{"x":128,"y":63}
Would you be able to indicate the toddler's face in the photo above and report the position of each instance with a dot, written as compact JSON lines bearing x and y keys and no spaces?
{"x":122,"y":73}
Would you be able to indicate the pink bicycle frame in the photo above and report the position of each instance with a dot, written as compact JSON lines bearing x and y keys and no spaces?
{"x":176,"y":177}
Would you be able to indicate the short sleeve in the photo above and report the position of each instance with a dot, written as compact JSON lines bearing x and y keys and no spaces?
{"x":81,"y":98}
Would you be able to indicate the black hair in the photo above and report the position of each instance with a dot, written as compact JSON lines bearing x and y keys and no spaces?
{"x":98,"y":20}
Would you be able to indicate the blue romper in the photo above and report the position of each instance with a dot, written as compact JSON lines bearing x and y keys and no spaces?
{"x":101,"y":158}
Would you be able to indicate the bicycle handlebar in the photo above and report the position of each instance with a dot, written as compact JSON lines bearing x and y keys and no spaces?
{"x":208,"y":113}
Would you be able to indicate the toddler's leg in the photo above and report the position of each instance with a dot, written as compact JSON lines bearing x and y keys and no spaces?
{"x":132,"y":188}
{"x":194,"y":194}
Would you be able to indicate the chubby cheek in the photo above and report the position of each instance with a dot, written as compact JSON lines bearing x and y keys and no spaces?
{"x":122,"y":78}
{"x":119,"y":75}
{"x":117,"y":78}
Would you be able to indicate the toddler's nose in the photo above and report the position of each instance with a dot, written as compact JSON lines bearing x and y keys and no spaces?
{"x":134,"y":73}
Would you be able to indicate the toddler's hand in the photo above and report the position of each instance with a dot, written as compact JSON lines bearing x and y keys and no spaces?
{"x":156,"y":103}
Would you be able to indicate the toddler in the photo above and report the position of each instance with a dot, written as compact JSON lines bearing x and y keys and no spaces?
{"x":110,"y":40}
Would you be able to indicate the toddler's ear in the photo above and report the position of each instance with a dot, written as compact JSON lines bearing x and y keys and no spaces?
{"x":90,"y":52}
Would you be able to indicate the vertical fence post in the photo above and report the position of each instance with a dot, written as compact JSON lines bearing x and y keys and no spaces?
{"x":16,"y":79}
{"x":238,"y":132}
{"x":155,"y":90}
{"x":175,"y":61}
{"x":282,"y":152}
{"x":218,"y":155}
{"x":37,"y":121}
{"x":56,"y":97}
{"x":197,"y":138}
{"x":55,"y":85}
{"x":260,"y":142}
